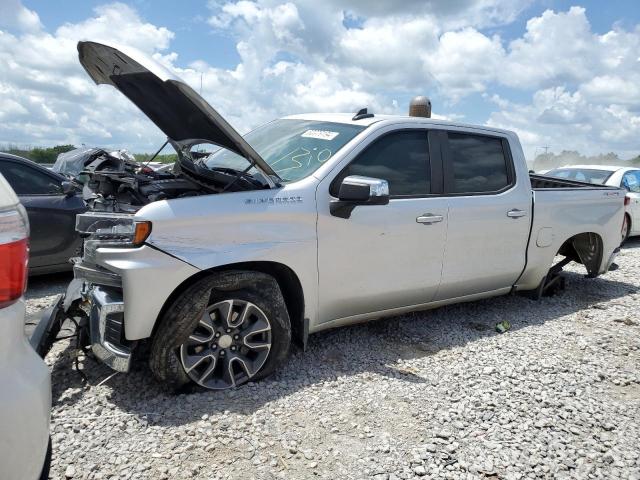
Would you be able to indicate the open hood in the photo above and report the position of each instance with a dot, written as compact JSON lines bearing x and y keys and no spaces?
{"x":183,"y":115}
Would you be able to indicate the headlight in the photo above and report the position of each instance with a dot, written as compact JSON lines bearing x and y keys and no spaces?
{"x":113,"y":228}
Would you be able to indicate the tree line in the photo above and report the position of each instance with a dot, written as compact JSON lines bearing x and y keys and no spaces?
{"x":50,"y":154}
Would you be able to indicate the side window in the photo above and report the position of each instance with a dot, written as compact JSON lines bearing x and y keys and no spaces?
{"x":401,"y":158}
{"x":28,"y":181}
{"x":580,"y":176}
{"x":631,"y":181}
{"x":478,"y":163}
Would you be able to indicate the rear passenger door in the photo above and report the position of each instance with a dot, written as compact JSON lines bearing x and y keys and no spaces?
{"x":489,"y":215}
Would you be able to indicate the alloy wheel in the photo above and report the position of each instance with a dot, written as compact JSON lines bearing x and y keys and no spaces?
{"x":229,"y":345}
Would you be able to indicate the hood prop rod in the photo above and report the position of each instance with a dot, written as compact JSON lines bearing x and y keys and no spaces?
{"x":156,"y":154}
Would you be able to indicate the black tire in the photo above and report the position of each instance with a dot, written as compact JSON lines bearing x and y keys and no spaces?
{"x":627,"y":222}
{"x":44,"y":475}
{"x":181,"y":319}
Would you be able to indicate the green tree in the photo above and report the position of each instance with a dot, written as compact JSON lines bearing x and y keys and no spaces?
{"x":40,"y":154}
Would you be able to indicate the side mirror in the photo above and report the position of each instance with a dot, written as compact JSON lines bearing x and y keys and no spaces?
{"x":357,"y":190}
{"x":68,"y":188}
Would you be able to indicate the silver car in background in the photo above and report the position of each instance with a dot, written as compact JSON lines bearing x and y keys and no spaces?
{"x":25,"y":396}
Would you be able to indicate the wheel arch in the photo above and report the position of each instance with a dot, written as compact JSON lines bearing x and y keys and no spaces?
{"x":287,"y":280}
{"x":586,"y":248}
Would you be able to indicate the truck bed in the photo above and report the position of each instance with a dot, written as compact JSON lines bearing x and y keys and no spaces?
{"x":564,"y":209}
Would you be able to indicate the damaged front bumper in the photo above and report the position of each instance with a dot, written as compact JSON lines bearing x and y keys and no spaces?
{"x":100,"y":308}
{"x":106,"y":327}
{"x":99,"y":294}
{"x":118,"y":290}
{"x":115,"y":297}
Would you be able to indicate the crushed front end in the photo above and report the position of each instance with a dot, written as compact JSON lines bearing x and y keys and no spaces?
{"x":120,"y":285}
{"x":96,"y":291}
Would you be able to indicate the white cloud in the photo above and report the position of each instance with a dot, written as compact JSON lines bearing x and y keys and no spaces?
{"x":566,"y":120}
{"x":612,"y":89}
{"x":396,"y":50}
{"x":583,"y":88}
{"x":586,"y":85}
{"x":556,"y":47}
{"x":45,"y":94}
{"x":15,"y":15}
{"x":465,"y":62}
{"x":451,"y":14}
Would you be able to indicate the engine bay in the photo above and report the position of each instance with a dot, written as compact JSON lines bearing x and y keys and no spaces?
{"x":112,"y":183}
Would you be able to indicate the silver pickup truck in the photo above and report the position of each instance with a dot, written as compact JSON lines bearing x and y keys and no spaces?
{"x":307,"y":223}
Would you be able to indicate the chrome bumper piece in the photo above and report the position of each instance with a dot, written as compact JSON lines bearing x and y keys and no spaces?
{"x":96,"y":275}
{"x":106,"y":325}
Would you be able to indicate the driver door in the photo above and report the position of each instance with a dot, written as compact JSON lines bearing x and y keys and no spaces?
{"x":383,"y":257}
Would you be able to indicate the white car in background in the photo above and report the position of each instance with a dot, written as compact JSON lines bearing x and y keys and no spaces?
{"x":25,"y":396}
{"x":624,"y":177}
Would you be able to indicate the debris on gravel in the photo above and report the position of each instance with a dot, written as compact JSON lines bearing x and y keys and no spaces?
{"x":436,"y":394}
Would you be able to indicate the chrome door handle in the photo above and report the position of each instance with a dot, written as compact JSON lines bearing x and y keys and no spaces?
{"x":429,"y":218}
{"x":516,"y":213}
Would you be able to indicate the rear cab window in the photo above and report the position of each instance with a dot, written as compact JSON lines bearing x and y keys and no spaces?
{"x":476,"y":164}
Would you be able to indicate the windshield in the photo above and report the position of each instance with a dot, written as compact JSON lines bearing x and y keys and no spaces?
{"x":589,"y":175}
{"x":294,"y":149}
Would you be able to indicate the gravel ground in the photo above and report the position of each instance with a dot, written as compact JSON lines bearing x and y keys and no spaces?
{"x":436,"y":394}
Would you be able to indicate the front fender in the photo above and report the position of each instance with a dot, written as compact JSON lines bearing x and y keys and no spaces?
{"x":213,"y":231}
{"x":149,"y":276}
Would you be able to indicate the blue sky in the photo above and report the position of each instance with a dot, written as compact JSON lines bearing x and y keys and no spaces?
{"x":479,"y":61}
{"x":195,"y":40}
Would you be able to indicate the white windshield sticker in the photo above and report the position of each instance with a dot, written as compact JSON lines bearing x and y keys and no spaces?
{"x":320,"y":134}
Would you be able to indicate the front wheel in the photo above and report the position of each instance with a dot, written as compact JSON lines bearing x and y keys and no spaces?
{"x":223,"y":331}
